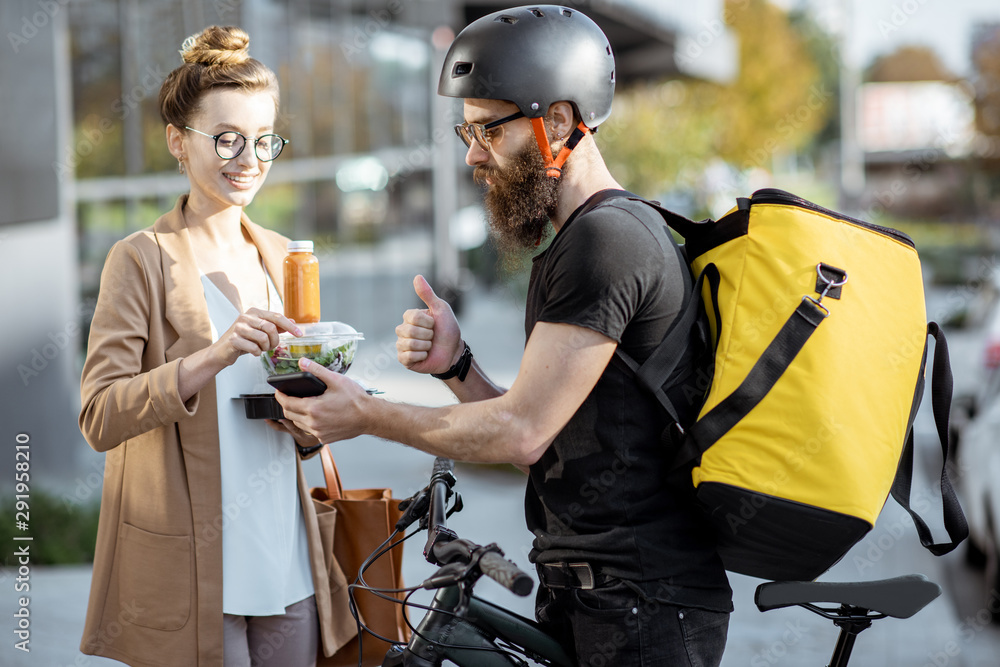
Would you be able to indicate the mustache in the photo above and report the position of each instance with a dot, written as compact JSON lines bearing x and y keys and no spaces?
{"x":481,"y":173}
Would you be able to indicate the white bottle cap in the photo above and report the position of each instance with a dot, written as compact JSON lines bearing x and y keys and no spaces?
{"x":300,"y":246}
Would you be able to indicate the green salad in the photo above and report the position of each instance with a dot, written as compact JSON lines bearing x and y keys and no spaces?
{"x":285,"y":358}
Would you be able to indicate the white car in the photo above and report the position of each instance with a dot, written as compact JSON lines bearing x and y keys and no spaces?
{"x":978,"y":481}
{"x":977,"y":473}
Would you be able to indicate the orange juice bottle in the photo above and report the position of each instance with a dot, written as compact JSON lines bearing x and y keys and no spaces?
{"x":301,"y":283}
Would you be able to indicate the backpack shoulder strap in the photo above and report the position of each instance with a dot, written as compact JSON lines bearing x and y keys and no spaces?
{"x":602,"y":196}
{"x":679,"y":223}
{"x":683,"y":226}
{"x":654,"y":372}
{"x":954,"y":520}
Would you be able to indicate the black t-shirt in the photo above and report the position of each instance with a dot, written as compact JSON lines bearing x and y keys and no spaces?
{"x":603,"y":492}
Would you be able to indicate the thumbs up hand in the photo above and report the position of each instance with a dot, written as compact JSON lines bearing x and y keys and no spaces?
{"x":429,"y":339}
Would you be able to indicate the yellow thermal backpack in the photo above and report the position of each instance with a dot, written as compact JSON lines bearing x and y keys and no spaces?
{"x":817,"y":343}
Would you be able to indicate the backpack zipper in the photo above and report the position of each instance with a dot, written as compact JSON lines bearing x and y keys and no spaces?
{"x":775,"y":196}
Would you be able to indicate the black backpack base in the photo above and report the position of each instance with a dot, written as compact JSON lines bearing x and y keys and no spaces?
{"x":773,"y":538}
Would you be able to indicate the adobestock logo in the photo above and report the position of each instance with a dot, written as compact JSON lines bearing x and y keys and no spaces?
{"x":39,"y":358}
{"x":30,"y":25}
{"x":96,"y":130}
{"x":362,"y":35}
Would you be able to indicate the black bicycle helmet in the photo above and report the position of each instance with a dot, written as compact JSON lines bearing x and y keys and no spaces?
{"x":533,"y":56}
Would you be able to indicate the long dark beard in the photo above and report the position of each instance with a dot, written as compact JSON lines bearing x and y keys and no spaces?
{"x":518,"y":204}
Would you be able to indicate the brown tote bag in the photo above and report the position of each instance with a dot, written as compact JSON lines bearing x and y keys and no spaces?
{"x":364,"y":519}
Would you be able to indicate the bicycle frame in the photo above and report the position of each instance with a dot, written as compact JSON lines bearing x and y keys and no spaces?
{"x":479,"y":626}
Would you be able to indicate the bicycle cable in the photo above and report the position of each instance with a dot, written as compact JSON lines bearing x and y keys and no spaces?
{"x":359,"y":583}
{"x":438,"y":644}
{"x":405,"y":603}
{"x":352,"y":605}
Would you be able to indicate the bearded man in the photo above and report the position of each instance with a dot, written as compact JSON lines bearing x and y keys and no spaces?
{"x":628,"y":573}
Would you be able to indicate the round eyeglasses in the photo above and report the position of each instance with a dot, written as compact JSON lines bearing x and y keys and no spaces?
{"x":230,"y":144}
{"x":484,"y":134}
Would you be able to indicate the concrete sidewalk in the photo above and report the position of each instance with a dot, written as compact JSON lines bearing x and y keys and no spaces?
{"x":949,"y":632}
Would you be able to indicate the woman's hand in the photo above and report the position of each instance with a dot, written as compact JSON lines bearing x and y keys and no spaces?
{"x":429,"y":339}
{"x":254,"y":332}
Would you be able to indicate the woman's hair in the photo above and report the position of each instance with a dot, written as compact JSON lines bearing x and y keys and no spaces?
{"x":215,"y":58}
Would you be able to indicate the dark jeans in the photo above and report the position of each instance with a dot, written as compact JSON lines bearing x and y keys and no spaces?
{"x":631,"y":624}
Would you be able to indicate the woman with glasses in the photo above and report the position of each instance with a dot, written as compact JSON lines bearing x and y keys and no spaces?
{"x":209,"y":549}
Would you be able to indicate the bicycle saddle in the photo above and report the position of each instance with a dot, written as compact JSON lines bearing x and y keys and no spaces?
{"x":899,"y":597}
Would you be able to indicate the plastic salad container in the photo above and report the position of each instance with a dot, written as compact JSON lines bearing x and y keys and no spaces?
{"x":330,"y":344}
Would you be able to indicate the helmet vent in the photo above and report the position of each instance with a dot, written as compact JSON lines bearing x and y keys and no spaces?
{"x":537,"y":12}
{"x":506,"y":18}
{"x":568,"y":13}
{"x":461,"y":69}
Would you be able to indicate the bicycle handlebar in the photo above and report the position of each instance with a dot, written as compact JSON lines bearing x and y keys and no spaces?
{"x":505,"y":573}
{"x":442,"y":479}
{"x":442,"y":466}
{"x":444,"y":547}
{"x":417,"y":506}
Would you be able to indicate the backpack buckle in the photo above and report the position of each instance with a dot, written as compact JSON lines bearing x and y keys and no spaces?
{"x":816,"y":302}
{"x":827,"y":285}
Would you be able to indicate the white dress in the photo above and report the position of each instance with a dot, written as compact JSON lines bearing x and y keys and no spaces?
{"x":265,"y":554}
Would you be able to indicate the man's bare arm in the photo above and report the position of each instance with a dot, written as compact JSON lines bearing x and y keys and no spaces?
{"x":561,"y":365}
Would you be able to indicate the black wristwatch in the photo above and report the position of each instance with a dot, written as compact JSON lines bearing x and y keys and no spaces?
{"x":306,"y":451}
{"x":460,"y":369}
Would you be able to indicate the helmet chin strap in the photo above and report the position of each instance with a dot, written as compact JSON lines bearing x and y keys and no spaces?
{"x":553,"y":167}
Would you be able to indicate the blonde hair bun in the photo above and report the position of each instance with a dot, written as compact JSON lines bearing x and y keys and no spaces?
{"x":216,"y":57}
{"x":217,"y":46}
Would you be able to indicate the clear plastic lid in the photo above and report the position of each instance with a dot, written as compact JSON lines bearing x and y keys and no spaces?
{"x":323,"y":332}
{"x":300,"y":246}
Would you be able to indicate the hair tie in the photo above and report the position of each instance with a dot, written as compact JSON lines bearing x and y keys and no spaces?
{"x":187,"y":45}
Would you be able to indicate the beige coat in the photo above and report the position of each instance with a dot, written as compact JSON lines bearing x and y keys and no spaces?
{"x":156,"y":593}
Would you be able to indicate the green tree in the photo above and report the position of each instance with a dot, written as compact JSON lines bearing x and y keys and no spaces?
{"x":661,"y":136}
{"x":824,"y":49}
{"x":776,"y":103}
{"x":63,"y":532}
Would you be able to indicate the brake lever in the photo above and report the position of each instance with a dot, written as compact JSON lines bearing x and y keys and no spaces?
{"x":414,"y":507}
{"x":456,"y":506}
{"x":417,"y":506}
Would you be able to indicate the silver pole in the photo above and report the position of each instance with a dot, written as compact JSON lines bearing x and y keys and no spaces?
{"x":443,"y":165}
{"x":852,"y":157}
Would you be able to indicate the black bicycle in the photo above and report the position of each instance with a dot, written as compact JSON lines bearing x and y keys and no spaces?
{"x":471,"y":632}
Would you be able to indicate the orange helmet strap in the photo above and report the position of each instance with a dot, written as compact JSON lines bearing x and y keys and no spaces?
{"x":553,"y":167}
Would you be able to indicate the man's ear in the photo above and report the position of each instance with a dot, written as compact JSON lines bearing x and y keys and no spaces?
{"x":562,"y":117}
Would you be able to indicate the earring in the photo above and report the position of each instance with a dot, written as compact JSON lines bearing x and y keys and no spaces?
{"x":180,"y":165}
